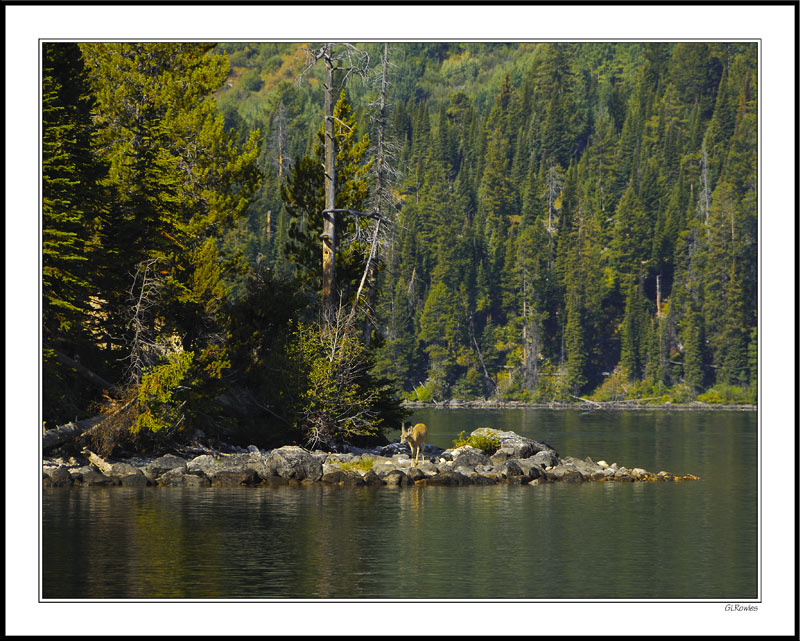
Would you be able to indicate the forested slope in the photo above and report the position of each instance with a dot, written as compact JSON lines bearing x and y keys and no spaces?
{"x":571,"y":218}
{"x":557,"y":220}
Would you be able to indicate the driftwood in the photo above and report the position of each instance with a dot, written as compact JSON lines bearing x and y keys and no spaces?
{"x":68,"y":432}
{"x":101,"y":464}
{"x":82,"y":429}
{"x":586,"y":400}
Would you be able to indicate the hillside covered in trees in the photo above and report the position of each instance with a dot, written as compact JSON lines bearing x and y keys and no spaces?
{"x":557,"y":220}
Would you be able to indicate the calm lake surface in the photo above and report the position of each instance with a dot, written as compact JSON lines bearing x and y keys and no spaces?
{"x":693,"y":540}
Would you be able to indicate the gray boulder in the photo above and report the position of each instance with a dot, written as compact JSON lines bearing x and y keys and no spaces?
{"x":397,"y":477}
{"x":565,"y":473}
{"x":333,"y":476}
{"x":179,"y":477}
{"x":510,"y":469}
{"x":162,"y":464}
{"x":512,"y":444}
{"x":57,"y":476}
{"x":371,"y":478}
{"x":447,"y":478}
{"x":230,"y":469}
{"x":91,"y":477}
{"x":205,"y":463}
{"x":545,"y":458}
{"x":531,"y":469}
{"x":351,"y":477}
{"x":293,"y":462}
{"x":126,"y":474}
{"x":196,"y":480}
{"x":469,"y":457}
{"x":587,"y":467}
{"x":232,"y":477}
{"x":416,"y":474}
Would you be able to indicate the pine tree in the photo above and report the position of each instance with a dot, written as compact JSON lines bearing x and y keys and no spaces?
{"x":70,"y":191}
{"x":177,"y":179}
{"x":72,"y":202}
{"x":303,"y":197}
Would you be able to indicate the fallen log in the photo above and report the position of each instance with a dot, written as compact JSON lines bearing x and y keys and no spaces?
{"x":69,"y":431}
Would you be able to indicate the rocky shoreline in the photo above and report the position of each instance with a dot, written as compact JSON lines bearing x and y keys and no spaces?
{"x":585,"y":405}
{"x":518,"y":460}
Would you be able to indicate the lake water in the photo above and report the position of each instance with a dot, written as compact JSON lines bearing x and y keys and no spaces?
{"x":631,"y":541}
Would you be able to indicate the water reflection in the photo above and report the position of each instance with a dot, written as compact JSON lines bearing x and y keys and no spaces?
{"x":632,"y":541}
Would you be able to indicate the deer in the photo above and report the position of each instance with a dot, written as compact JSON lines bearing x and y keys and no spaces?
{"x":415,"y":437}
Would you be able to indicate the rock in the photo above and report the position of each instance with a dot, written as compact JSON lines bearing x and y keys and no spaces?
{"x":137,"y":479}
{"x":385,"y":467}
{"x":416,"y":474}
{"x":447,"y":478}
{"x":469,"y":457}
{"x":586,"y":467}
{"x":428,"y":468}
{"x":397,"y":477}
{"x":206,"y":464}
{"x":196,"y":480}
{"x":179,"y":477}
{"x":162,"y":464}
{"x":510,"y":469}
{"x":171,"y":478}
{"x":638,"y":473}
{"x":501,"y":455}
{"x":371,"y":478}
{"x":513,"y":444}
{"x":545,"y":458}
{"x":393,"y":449}
{"x":333,"y":476}
{"x":125,"y":474}
{"x":351,"y":478}
{"x":293,"y":462}
{"x":333,"y":458}
{"x":531,"y":469}
{"x":564,"y":472}
{"x":57,"y":476}
{"x":232,"y":477}
{"x":94,"y":477}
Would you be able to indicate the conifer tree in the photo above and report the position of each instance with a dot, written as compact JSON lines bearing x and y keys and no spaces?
{"x":304,"y":199}
{"x":72,"y":202}
{"x":177,"y":179}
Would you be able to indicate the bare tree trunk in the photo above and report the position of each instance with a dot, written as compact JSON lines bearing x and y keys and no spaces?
{"x":370,"y":275}
{"x":382,"y":183}
{"x":329,"y":218}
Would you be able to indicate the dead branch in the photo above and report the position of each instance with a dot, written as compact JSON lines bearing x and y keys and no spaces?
{"x":83,"y":371}
{"x":586,"y":400}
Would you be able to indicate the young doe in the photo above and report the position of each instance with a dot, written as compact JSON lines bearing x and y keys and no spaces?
{"x":415,"y":437}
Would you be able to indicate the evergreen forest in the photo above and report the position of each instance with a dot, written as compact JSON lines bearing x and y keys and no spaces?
{"x":540,"y":222}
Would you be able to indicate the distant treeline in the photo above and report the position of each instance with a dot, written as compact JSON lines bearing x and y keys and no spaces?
{"x":557,"y":220}
{"x":571,"y":219}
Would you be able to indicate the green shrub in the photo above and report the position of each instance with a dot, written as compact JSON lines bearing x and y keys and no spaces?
{"x":424,"y":393}
{"x":364,"y":464}
{"x":489,"y":444}
{"x":724,"y":394}
{"x":252,"y":80}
